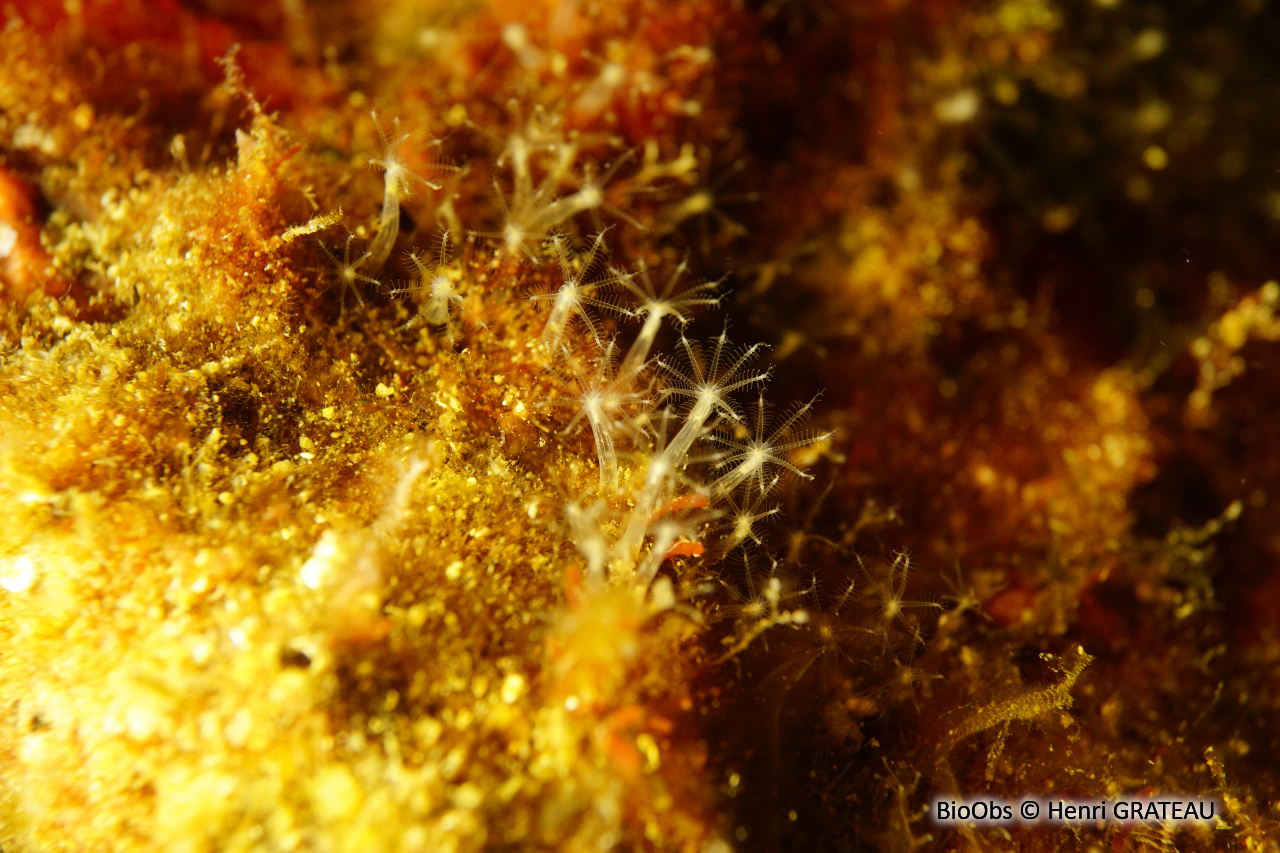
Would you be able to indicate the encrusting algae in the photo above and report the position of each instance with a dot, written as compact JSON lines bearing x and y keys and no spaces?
{"x":404,"y":427}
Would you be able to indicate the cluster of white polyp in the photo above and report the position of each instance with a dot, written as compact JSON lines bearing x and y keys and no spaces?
{"x":679,"y":462}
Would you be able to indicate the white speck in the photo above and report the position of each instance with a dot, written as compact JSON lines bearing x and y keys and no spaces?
{"x":514,"y":37}
{"x":201,"y":652}
{"x":8,"y":239}
{"x":957,"y":109}
{"x":143,"y":721}
{"x":30,"y":136}
{"x":661,"y":595}
{"x":20,"y":575}
{"x":512,"y":688}
{"x":238,"y":639}
{"x":315,"y":572}
{"x":613,"y":74}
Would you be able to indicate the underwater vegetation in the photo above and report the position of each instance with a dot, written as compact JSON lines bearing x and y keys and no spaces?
{"x":574,"y":425}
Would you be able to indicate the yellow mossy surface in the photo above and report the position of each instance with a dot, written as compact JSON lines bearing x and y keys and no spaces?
{"x":293,"y":563}
{"x":238,"y":621}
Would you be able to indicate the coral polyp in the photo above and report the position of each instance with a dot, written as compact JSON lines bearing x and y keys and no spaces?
{"x":387,"y":447}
